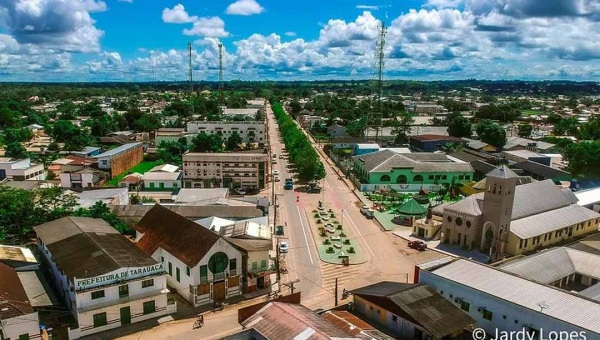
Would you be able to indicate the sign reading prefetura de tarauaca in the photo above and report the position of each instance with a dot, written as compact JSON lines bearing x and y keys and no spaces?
{"x":123,"y":274}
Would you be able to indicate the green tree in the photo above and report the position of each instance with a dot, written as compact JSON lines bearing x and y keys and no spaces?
{"x":54,"y":203}
{"x":16,"y":217}
{"x":68,"y":110}
{"x":101,"y":210}
{"x":102,"y":126}
{"x":15,"y":150}
{"x":91,"y":109}
{"x":171,"y":152}
{"x":207,"y":143}
{"x":491,"y":133}
{"x":525,"y":130}
{"x":459,"y":126}
{"x":357,"y":128}
{"x":584,"y":159}
{"x":16,"y":135}
{"x":566,"y":127}
{"x":233,"y":142}
{"x":132,"y":116}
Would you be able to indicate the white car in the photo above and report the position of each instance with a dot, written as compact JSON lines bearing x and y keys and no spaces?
{"x":239,"y":191}
{"x":277,"y":178}
{"x":283,"y":247}
{"x":276,"y":172}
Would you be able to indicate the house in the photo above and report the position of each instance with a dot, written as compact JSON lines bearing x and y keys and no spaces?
{"x":363,"y":149}
{"x":250,"y":131}
{"x":20,"y":258}
{"x":202,"y":266}
{"x":500,"y":300}
{"x":170,"y":135}
{"x":336,"y":130}
{"x":481,"y":162}
{"x":88,"y":151}
{"x":346,"y":142}
{"x":518,"y":143}
{"x":517,"y":156}
{"x":119,"y":138}
{"x":71,"y":163}
{"x":478,"y":145}
{"x":308,"y":120}
{"x":225,"y":170}
{"x":130,"y":214}
{"x":410,"y":311}
{"x":103,"y":278}
{"x":110,"y":196}
{"x":21,"y":170}
{"x":432,"y":143}
{"x":508,"y":218}
{"x":408,"y":172}
{"x":589,"y":199}
{"x":121,"y":158}
{"x":542,"y":172}
{"x":162,"y":180}
{"x":85,"y":178}
{"x":18,"y":319}
{"x":256,"y":265}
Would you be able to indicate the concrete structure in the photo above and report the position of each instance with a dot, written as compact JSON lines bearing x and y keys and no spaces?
{"x":104,"y":279}
{"x":408,"y":172}
{"x":111,"y":196}
{"x":163,"y":177}
{"x":250,"y":132}
{"x":258,"y":103}
{"x":432,"y":143}
{"x":410,"y":311}
{"x":121,"y":158}
{"x":364,"y":148}
{"x":249,"y":114}
{"x":336,"y":130}
{"x":589,"y":199}
{"x":18,"y":320}
{"x":202,"y":266}
{"x":227,"y":170}
{"x":21,"y":170}
{"x":499,"y":300}
{"x":86,"y":178}
{"x":508,"y":218}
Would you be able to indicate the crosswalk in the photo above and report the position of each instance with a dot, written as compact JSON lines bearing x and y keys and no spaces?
{"x":329,"y":272}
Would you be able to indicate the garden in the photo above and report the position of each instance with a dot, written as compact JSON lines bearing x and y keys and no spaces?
{"x":334,"y":245}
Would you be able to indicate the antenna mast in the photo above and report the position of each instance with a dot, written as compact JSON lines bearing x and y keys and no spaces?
{"x":375,"y":119}
{"x":191,"y":72}
{"x":221,"y":74}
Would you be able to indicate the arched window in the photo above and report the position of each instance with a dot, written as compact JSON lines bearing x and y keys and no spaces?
{"x":401,"y":179}
{"x":418,"y":178}
{"x":218,"y":262}
{"x":385,"y":178}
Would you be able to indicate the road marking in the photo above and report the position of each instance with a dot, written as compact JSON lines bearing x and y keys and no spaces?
{"x":360,"y":234}
{"x":327,"y":183}
{"x":305,"y":238}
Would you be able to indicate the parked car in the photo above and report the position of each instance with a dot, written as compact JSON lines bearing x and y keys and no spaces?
{"x":277,"y":178}
{"x":239,"y":191}
{"x":369,"y":215}
{"x":279,"y":230}
{"x":276,"y":172}
{"x":418,"y":245}
{"x":283,"y":247}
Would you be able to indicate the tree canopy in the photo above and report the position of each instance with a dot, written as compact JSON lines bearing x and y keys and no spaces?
{"x":491,"y":133}
{"x":459,"y":126}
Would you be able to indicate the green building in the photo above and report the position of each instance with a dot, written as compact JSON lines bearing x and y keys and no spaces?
{"x":408,"y":172}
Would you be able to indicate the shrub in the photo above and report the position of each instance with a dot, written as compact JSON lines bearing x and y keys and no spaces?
{"x":342,"y":234}
{"x":326,"y":242}
{"x":332,"y":215}
{"x":339,"y":227}
{"x":346,"y":241}
{"x":351,"y":250}
{"x":330,"y":250}
{"x":316,"y":215}
{"x":319,"y":222}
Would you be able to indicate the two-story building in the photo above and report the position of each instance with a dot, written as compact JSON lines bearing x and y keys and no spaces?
{"x":201,"y":265}
{"x":225,"y":170}
{"x":121,"y":158}
{"x":18,"y":319}
{"x":103,"y":278}
{"x":21,"y":170}
{"x":250,"y":131}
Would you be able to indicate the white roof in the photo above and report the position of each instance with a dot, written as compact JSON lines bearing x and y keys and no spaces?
{"x":552,"y":220}
{"x":161,"y":176}
{"x":367,"y":146}
{"x":557,"y":303}
{"x":62,"y":161}
{"x":397,"y":150}
{"x":165,"y":168}
{"x":197,"y":194}
{"x":214,"y":223}
{"x":588,"y":196}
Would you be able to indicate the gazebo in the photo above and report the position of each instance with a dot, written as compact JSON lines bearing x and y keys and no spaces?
{"x":407,"y":212}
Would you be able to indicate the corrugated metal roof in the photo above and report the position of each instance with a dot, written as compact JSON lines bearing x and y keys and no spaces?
{"x":387,"y":160}
{"x":588,"y":196}
{"x":552,"y":220}
{"x":13,"y":299}
{"x":545,"y":267}
{"x":118,"y":150}
{"x":557,"y":303}
{"x":138,"y":211}
{"x":534,"y":198}
{"x":511,"y":142}
{"x":541,"y":169}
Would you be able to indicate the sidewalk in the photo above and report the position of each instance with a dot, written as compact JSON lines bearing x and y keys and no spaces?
{"x":442,"y":248}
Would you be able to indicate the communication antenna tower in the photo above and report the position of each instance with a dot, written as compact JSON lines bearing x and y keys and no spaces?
{"x":191,"y":70}
{"x":222,"y":98}
{"x":375,"y":119}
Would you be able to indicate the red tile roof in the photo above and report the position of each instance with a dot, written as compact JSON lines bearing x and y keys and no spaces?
{"x":181,"y":237}
{"x":77,"y":160}
{"x":347,"y":321}
{"x":13,"y":299}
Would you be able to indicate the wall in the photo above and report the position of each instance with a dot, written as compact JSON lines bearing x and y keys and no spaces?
{"x":451,"y":229}
{"x":125,"y":160}
{"x":400,"y":328}
{"x":60,"y":281}
{"x":252,"y":131}
{"x":246,"y":312}
{"x":428,"y":178}
{"x":87,"y":180}
{"x":24,"y":324}
{"x":111,"y":293}
{"x":506,"y":316}
{"x":152,"y":185}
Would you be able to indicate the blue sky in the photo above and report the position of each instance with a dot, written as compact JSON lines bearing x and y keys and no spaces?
{"x":140,"y":40}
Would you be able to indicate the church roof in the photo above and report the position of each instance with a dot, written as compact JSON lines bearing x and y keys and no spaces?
{"x":502,"y":172}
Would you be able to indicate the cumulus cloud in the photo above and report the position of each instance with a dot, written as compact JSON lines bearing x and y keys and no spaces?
{"x":290,"y":34}
{"x":177,"y":15}
{"x":59,"y":24}
{"x":443,"y":3}
{"x":208,"y":27}
{"x":244,"y":7}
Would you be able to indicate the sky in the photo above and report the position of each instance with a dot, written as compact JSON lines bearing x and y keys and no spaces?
{"x":146,"y":40}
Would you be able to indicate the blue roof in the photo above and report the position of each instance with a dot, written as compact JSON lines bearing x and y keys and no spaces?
{"x":118,"y":150}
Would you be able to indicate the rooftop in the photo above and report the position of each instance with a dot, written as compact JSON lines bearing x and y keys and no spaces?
{"x":139,"y":211}
{"x":387,"y":160}
{"x":118,"y":150}
{"x":87,"y":247}
{"x":196,"y":194}
{"x":511,"y":142}
{"x":588,"y":197}
{"x":14,"y":301}
{"x":541,"y":169}
{"x":432,"y":137}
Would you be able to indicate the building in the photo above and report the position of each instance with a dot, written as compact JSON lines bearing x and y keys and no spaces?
{"x":202,"y":266}
{"x":104,"y":279}
{"x":508,"y":218}
{"x":499,"y":300}
{"x":408,"y":172}
{"x":163,"y":177}
{"x":346,"y":142}
{"x":250,"y":132}
{"x":88,"y":151}
{"x":21,"y":170}
{"x":71,"y":163}
{"x":85,"y":178}
{"x":518,"y":143}
{"x":256,"y":265}
{"x":18,"y":320}
{"x":248,"y":114}
{"x":120,"y":138}
{"x":336,"y":130}
{"x":131,"y":214}
{"x":542,"y":172}
{"x":364,"y":148}
{"x":226,"y":170}
{"x":257,"y":103}
{"x":121,"y":158}
{"x":589,"y":199}
{"x":410,"y":311}
{"x":432,"y":143}
{"x":518,"y":156}
{"x":478,"y":145}
{"x":111,"y":196}
{"x":171,"y":135}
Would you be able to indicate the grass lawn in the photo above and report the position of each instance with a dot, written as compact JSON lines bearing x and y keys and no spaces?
{"x":141,"y":168}
{"x":531,"y":112}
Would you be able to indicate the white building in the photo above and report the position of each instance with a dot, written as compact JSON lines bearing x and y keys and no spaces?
{"x":245,"y":113}
{"x":226,"y":170}
{"x":251,"y":132}
{"x":104,"y":279}
{"x":112,"y":196}
{"x":499,"y":300}
{"x":18,"y":320}
{"x":21,"y":170}
{"x":163,"y":177}
{"x":85,"y":178}
{"x":258,"y":103}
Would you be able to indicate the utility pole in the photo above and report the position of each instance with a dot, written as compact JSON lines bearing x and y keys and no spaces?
{"x":336,"y":291}
{"x":277,"y":254}
{"x":191,"y":70}
{"x":291,"y":285}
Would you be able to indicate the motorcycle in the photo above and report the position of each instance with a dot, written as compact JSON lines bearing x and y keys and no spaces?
{"x":345,"y":294}
{"x":199,"y":321}
{"x":219,"y":305}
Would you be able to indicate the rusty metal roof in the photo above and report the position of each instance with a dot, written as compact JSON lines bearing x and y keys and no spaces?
{"x":13,"y":299}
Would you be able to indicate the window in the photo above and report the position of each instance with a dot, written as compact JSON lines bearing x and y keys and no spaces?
{"x":444,"y":177}
{"x":123,"y":291}
{"x":170,"y":269}
{"x":98,"y":294}
{"x":187,"y":271}
{"x":504,"y":317}
{"x":147,"y":283}
{"x":465,"y":306}
{"x":401,"y":179}
{"x":263,"y":263}
{"x":149,"y":307}
{"x":441,"y":292}
{"x":24,"y":337}
{"x":162,"y":259}
{"x":418,"y":178}
{"x":520,"y":243}
{"x":104,"y":162}
{"x":177,"y":275}
{"x":100,"y":320}
{"x":233,"y":265}
{"x":458,"y":221}
{"x":467,"y":177}
{"x":203,"y":271}
{"x":525,"y":245}
{"x":385,"y":178}
{"x":461,"y":177}
{"x":254,"y":265}
{"x":487,"y":315}
{"x":394,"y":318}
{"x":449,"y":219}
{"x":468,"y":224}
{"x":431,"y":177}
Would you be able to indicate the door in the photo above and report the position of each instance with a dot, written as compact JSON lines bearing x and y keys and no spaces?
{"x":260,"y":282}
{"x":125,"y":315}
{"x":421,"y":232}
{"x":219,"y":291}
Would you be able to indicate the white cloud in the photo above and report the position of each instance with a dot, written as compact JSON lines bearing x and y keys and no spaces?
{"x":244,"y":7}
{"x":177,"y":15}
{"x":443,"y":3}
{"x":129,"y":1}
{"x":290,"y":34}
{"x":368,"y":7}
{"x":208,"y":27}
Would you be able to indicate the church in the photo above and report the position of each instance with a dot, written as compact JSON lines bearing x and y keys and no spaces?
{"x":515,"y":215}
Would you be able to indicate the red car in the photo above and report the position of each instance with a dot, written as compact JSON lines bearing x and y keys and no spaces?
{"x":418,"y":245}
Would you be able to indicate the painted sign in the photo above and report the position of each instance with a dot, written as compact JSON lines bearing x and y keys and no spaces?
{"x":123,"y":274}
